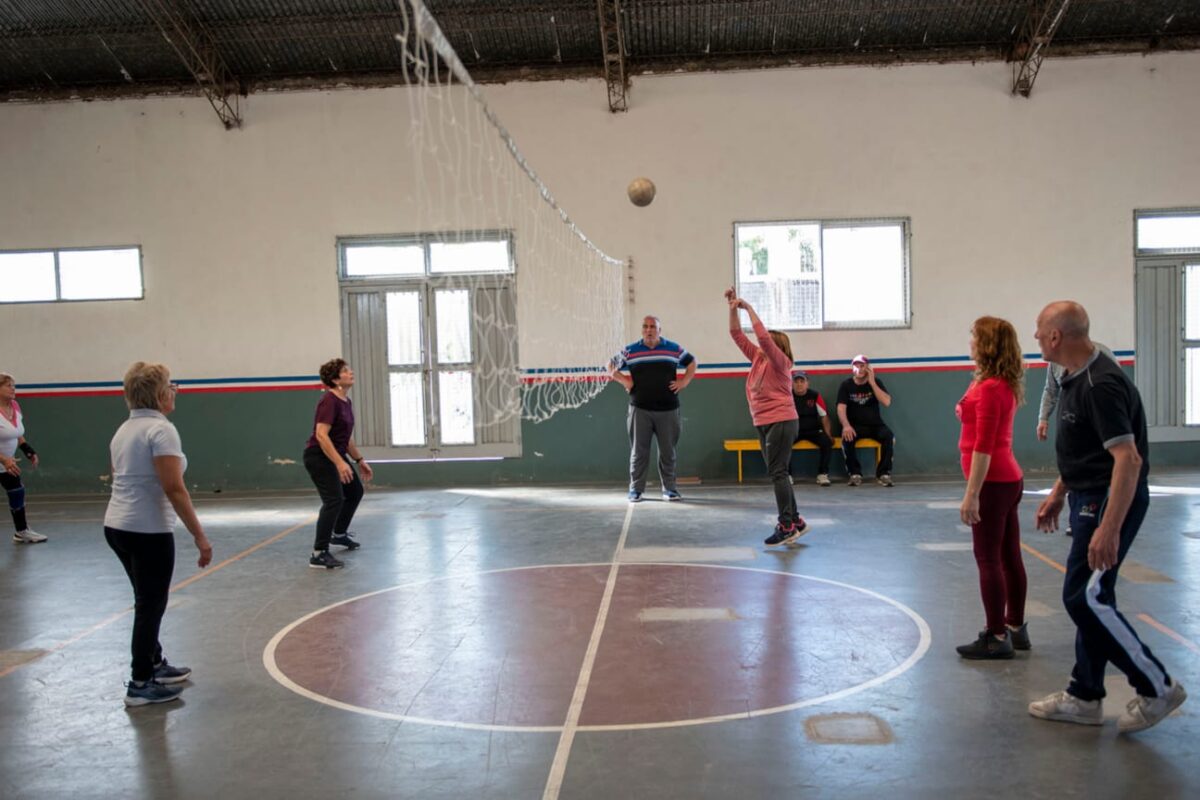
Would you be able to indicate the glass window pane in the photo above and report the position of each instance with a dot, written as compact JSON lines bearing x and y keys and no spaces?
{"x":1191,"y":383}
{"x":779,"y":273}
{"x":1168,"y":233}
{"x":100,"y":274}
{"x":1191,"y":301}
{"x":408,"y":408}
{"x":457,"y":407}
{"x":404,"y":328}
{"x":384,"y":259}
{"x":453,"y":308}
{"x":26,"y":277}
{"x":864,"y":274}
{"x":470,"y":257}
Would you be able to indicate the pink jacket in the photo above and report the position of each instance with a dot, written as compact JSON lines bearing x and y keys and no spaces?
{"x":769,"y":384}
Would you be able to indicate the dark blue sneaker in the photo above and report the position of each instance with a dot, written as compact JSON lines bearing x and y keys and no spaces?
{"x":670,"y":495}
{"x":167,"y":673}
{"x":782,"y":535}
{"x":345,"y":540}
{"x":635,"y":497}
{"x":150,"y":692}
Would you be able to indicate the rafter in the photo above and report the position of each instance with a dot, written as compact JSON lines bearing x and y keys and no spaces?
{"x":613,"y":43}
{"x":196,"y":48}
{"x":1041,"y":23}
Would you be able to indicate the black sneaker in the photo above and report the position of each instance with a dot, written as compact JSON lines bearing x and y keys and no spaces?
{"x":1020,"y":637}
{"x":345,"y":540}
{"x":324,"y":560}
{"x":987,"y":647}
{"x":167,"y":673}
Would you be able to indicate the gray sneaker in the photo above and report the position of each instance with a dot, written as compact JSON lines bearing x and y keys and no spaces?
{"x":855,"y":480}
{"x":166,"y":673}
{"x":150,"y":692}
{"x":1146,"y":712}
{"x":1065,"y":707}
{"x":885,"y":480}
{"x":28,"y":537}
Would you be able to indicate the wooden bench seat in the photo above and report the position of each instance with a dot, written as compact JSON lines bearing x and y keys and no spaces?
{"x":740,"y":446}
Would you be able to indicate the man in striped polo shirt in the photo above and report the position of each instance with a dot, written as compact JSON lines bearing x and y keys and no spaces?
{"x":648,"y":369}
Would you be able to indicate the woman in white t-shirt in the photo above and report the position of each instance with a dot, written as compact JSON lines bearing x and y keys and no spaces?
{"x":12,"y":436}
{"x":148,"y":496}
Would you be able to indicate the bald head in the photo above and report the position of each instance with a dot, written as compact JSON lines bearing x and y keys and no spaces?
{"x":1062,"y":334}
{"x":1067,"y":317}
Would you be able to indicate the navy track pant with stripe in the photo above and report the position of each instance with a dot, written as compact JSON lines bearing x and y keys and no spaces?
{"x":1102,"y":634}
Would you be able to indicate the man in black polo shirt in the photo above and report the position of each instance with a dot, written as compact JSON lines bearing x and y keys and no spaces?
{"x":653,"y":384}
{"x":1102,"y":462}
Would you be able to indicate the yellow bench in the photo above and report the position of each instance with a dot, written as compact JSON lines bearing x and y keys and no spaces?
{"x":740,"y":446}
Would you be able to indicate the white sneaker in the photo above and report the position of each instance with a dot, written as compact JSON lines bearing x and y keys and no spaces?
{"x":1145,"y":712}
{"x":823,"y":480}
{"x":1064,"y":707}
{"x":885,"y":480}
{"x":855,"y":480}
{"x":28,"y":537}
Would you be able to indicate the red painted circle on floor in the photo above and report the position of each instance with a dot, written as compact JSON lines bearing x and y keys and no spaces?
{"x":680,"y":643}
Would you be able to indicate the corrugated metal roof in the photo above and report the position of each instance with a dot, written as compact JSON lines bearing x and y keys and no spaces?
{"x":55,"y":47}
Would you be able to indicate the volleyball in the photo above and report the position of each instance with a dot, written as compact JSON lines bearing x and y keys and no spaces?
{"x":641,"y":191}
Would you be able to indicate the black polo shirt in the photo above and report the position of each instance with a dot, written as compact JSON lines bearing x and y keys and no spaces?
{"x":1099,"y":407}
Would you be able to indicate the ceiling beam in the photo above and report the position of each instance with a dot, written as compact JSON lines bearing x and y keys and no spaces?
{"x":196,"y":48}
{"x":1041,"y":22}
{"x":612,"y":41}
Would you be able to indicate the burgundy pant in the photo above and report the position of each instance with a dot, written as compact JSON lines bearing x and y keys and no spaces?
{"x":997,"y":538}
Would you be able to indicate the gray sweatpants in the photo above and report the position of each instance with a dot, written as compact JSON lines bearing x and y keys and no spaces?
{"x":776,"y":441}
{"x":644,"y":425}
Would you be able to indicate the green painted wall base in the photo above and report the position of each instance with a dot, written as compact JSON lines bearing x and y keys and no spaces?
{"x":254,"y":440}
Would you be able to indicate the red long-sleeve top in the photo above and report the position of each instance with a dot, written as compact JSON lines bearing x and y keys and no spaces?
{"x":769,"y":384}
{"x":986,"y":412}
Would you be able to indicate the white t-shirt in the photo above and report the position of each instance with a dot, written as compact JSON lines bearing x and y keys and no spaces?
{"x":10,"y":434}
{"x":138,"y":503}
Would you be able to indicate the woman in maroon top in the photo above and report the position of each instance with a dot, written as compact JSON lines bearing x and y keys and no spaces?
{"x":328,"y":458}
{"x":994,"y":486}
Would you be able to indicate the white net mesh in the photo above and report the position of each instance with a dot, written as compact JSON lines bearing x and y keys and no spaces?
{"x":544,"y":331}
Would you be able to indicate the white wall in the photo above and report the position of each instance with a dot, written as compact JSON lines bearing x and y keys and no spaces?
{"x":1013,"y":201}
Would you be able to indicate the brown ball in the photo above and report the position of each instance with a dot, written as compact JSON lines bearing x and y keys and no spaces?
{"x":641,"y":191}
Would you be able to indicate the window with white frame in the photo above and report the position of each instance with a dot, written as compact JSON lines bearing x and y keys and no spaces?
{"x":1167,"y":256}
{"x":93,"y":273}
{"x":429,"y":324}
{"x":814,"y":274}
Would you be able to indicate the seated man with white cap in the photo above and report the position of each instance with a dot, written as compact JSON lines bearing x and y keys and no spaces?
{"x":858,"y":401}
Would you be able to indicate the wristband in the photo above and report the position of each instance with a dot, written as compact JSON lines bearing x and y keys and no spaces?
{"x":27,"y":449}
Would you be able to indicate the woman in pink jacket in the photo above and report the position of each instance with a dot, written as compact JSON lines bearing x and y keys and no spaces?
{"x":769,"y":392}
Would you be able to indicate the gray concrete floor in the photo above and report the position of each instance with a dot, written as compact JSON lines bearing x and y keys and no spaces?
{"x":939,"y":727}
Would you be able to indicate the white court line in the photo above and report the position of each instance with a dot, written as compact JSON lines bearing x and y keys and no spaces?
{"x":280,"y":677}
{"x":676,"y":614}
{"x":683,"y":555}
{"x":558,"y":767}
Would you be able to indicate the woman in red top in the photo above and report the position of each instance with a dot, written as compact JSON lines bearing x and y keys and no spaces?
{"x":769,"y":393}
{"x":994,"y":486}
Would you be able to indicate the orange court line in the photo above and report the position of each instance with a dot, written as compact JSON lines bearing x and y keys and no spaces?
{"x":186,"y":582}
{"x":1158,"y":626}
{"x":1044,"y":557}
{"x":243,"y":554}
